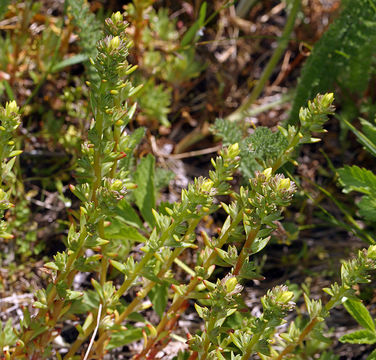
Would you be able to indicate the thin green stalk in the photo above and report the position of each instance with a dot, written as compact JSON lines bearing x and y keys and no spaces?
{"x":239,"y":114}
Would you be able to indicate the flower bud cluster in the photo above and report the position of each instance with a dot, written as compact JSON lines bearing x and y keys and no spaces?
{"x":277,"y":302}
{"x":115,"y":25}
{"x":267,"y":194}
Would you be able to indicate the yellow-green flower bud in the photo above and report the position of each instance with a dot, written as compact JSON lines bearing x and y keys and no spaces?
{"x":327,"y":99}
{"x":233,"y":150}
{"x":284,"y":184}
{"x":117,"y":185}
{"x":11,"y":107}
{"x":268,"y":173}
{"x":117,"y":17}
{"x":114,"y":43}
{"x":230,"y":284}
{"x":285,"y":297}
{"x":372,"y":252}
{"x":207,"y":185}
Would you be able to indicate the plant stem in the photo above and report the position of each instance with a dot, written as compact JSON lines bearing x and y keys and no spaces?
{"x":179,"y":301}
{"x":246,"y":250}
{"x":252,"y":343}
{"x":288,"y":349}
{"x":239,"y":114}
{"x":310,"y":326}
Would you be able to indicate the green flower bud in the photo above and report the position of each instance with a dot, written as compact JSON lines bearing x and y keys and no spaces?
{"x":117,"y":185}
{"x":11,"y":107}
{"x":372,"y":252}
{"x":284,"y":297}
{"x":114,"y":43}
{"x":268,"y":173}
{"x":230,"y":284}
{"x":327,"y":99}
{"x":284,"y":184}
{"x":117,"y":17}
{"x":207,"y":185}
{"x":233,"y":150}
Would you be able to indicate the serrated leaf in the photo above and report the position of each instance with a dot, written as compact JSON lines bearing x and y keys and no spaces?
{"x":266,"y":146}
{"x":145,"y":192}
{"x":148,"y":273}
{"x":159,"y":297}
{"x":359,"y":337}
{"x":354,"y":178}
{"x":360,"y":313}
{"x":367,"y":208}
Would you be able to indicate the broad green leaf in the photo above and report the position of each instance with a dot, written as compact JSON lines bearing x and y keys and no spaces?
{"x":159,"y":297}
{"x":354,"y":178}
{"x":359,"y":337}
{"x":124,"y":337}
{"x":360,"y":313}
{"x":145,"y":193}
{"x":372,"y":356}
